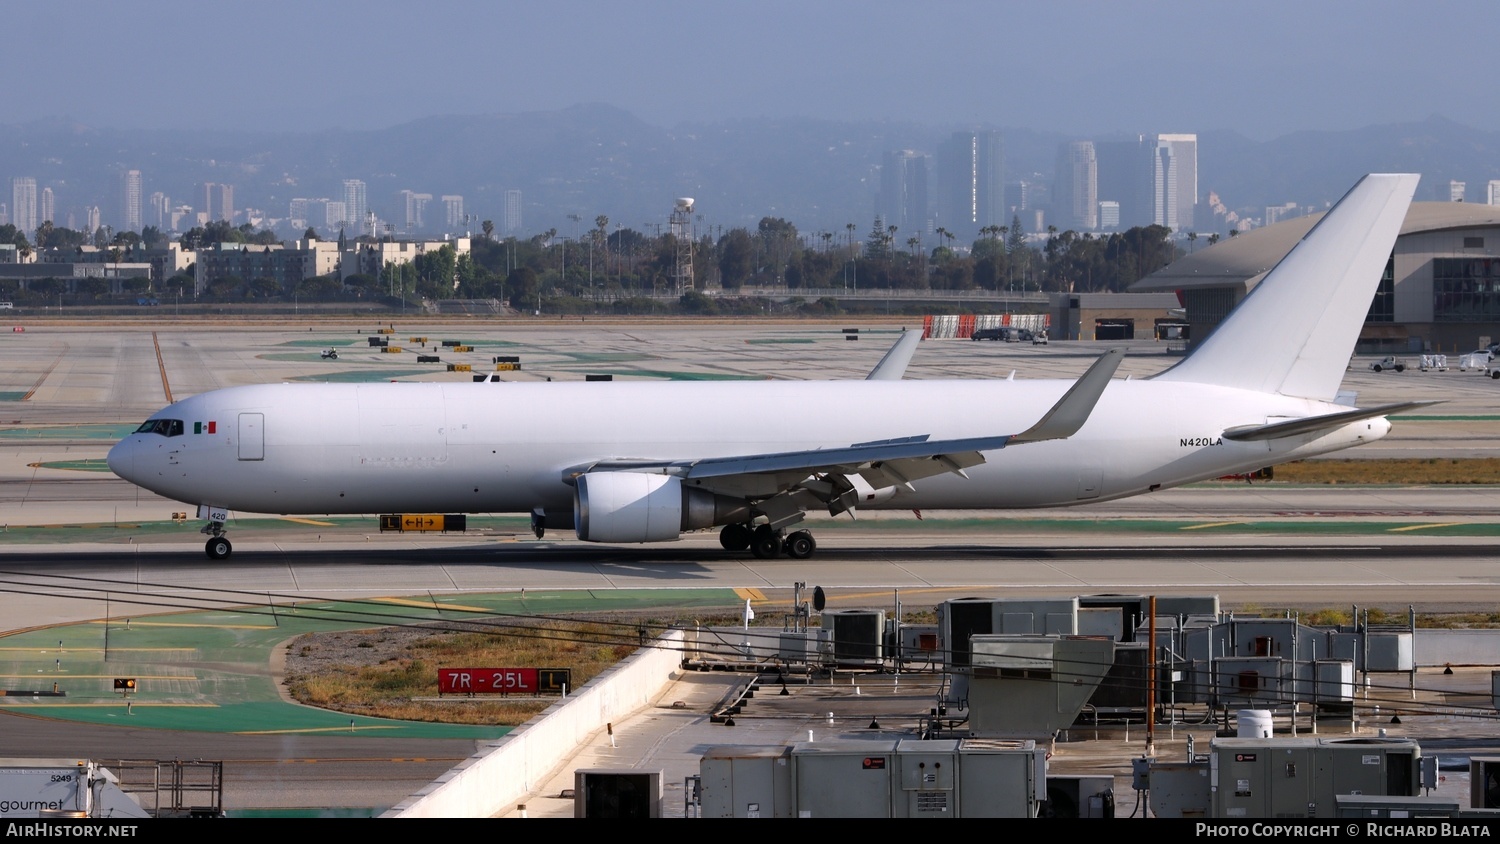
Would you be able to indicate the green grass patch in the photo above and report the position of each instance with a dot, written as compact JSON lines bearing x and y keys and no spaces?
{"x":12,"y":395}
{"x":779,"y":340}
{"x":206,"y":670}
{"x":90,"y":464}
{"x":69,"y":432}
{"x":322,"y":341}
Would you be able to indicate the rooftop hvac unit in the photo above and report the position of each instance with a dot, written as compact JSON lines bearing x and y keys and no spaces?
{"x":809,"y":646}
{"x":1390,"y":650}
{"x":857,"y":635}
{"x":961,"y":619}
{"x":1484,"y":782}
{"x":616,"y":793}
{"x":1124,"y":687}
{"x":1079,"y":796}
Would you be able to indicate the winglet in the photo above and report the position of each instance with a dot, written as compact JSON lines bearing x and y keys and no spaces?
{"x":892,"y":367}
{"x":1073,"y":409}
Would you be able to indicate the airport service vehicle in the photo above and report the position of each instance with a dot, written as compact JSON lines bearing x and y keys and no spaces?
{"x":1389,"y":362}
{"x":1039,"y":338}
{"x":1478,"y":359}
{"x":639,"y":462}
{"x":330,"y":354}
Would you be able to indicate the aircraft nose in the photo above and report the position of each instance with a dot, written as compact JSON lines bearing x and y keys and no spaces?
{"x":121,"y":459}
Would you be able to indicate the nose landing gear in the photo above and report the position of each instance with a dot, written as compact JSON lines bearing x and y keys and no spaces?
{"x":218,"y":546}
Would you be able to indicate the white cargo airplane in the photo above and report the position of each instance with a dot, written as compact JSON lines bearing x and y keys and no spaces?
{"x":629,"y":462}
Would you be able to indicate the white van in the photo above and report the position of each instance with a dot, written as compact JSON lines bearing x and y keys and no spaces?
{"x":7,"y":306}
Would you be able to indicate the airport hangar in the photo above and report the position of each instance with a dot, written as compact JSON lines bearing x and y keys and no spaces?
{"x":1440,"y":292}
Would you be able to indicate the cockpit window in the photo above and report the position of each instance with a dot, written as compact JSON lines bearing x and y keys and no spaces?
{"x":165,"y":427}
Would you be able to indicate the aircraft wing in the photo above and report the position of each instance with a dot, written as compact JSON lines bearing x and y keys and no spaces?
{"x":881,"y":463}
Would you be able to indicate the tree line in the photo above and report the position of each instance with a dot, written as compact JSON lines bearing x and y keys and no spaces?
{"x":620,"y":264}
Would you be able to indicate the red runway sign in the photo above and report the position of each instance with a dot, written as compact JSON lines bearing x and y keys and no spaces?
{"x":491,"y":681}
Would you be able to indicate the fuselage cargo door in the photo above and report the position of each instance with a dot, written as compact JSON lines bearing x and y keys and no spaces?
{"x":252,"y":436}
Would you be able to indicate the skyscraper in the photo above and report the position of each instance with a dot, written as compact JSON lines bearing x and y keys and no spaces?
{"x":160,"y":213}
{"x":1175,"y":181}
{"x":23,"y":204}
{"x":355,"y":209}
{"x":130,"y":200}
{"x":46,"y":207}
{"x":903,"y":191}
{"x":453,"y":211}
{"x":1494,"y":192}
{"x":971,"y":176}
{"x":415,"y":209}
{"x":1124,"y":169}
{"x":218,"y":202}
{"x":510,"y":223}
{"x":1075,"y":190}
{"x":1456,"y":190}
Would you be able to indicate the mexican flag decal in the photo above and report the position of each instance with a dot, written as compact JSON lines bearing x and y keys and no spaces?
{"x":199,"y":427}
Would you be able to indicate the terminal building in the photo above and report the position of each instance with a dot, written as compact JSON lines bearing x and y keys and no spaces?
{"x":1440,"y":292}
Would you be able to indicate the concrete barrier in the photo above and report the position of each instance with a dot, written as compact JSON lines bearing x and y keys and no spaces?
{"x":493,"y":780}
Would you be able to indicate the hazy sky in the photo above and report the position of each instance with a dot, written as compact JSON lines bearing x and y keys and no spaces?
{"x":1263,"y":68}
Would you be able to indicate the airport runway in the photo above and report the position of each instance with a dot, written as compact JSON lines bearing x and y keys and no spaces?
{"x":68,"y":390}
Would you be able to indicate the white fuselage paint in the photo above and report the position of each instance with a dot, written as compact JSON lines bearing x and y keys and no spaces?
{"x":505,"y":448}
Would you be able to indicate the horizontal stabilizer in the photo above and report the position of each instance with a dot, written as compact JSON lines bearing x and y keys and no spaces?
{"x":1069,"y":414}
{"x":1309,"y":424}
{"x":892,"y":367}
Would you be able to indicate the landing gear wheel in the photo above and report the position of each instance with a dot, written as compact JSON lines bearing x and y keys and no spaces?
{"x":766,"y":544}
{"x":218,"y":548}
{"x":736,"y":537}
{"x":800,"y":545}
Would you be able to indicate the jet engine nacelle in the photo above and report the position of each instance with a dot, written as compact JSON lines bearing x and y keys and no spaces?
{"x":644,"y":507}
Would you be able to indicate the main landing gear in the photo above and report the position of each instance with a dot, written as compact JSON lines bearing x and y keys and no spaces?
{"x":218,"y":546}
{"x":766,"y":543}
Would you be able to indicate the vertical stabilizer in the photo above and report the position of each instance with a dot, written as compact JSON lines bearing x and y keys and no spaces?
{"x":1294,"y":333}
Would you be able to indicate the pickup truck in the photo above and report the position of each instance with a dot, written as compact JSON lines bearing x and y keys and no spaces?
{"x":1389,"y":362}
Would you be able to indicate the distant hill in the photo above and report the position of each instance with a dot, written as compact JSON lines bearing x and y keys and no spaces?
{"x":596,"y":159}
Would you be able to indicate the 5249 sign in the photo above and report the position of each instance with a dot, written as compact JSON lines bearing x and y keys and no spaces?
{"x":480,"y":681}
